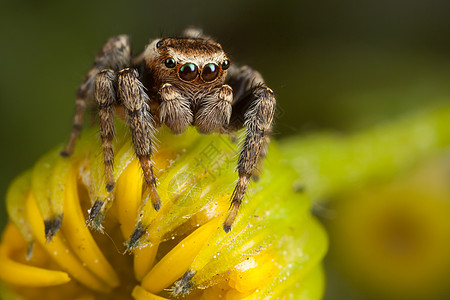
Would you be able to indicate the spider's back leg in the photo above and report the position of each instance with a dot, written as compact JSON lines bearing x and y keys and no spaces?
{"x":105,"y":95}
{"x":115,"y":54}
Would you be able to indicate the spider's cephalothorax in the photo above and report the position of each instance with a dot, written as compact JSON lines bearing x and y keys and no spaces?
{"x":191,"y":71}
{"x":178,"y":82}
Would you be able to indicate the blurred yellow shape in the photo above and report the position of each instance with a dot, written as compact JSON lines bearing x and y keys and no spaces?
{"x":393,"y":240}
{"x":22,"y":274}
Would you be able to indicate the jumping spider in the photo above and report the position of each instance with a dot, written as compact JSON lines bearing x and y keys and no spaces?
{"x":178,"y":82}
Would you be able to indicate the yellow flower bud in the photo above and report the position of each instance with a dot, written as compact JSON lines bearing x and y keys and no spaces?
{"x":47,"y":251}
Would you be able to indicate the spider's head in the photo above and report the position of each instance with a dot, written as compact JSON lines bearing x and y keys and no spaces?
{"x":188,"y":63}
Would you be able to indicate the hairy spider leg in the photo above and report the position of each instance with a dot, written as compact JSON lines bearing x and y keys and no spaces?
{"x":105,"y":95}
{"x":140,"y":120}
{"x":253,"y":108}
{"x":104,"y":83}
{"x":115,"y":54}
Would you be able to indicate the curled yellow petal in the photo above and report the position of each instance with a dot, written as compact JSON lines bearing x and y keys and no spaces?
{"x":14,"y":272}
{"x":57,"y":184}
{"x":246,"y":276}
{"x":99,"y":195}
{"x":178,"y":260}
{"x":128,"y":197}
{"x":60,"y":252}
{"x":43,"y":189}
{"x":80,"y":238}
{"x":139,"y":293}
{"x":144,"y":259}
{"x":16,"y":198}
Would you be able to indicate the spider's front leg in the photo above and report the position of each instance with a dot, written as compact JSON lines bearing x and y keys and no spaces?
{"x":139,"y":118}
{"x":254,"y":108}
{"x":123,"y":88}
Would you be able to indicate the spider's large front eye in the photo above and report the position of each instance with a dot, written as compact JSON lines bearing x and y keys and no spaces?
{"x":170,"y":62}
{"x":210,"y":72}
{"x":188,"y":72}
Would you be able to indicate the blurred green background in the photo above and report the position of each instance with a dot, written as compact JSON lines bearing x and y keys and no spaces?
{"x":334,"y":65}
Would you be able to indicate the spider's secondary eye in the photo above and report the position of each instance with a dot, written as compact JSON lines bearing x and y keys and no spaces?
{"x":159,"y":44}
{"x":188,"y":71}
{"x":210,"y":72}
{"x":225,"y":64}
{"x":170,"y":62}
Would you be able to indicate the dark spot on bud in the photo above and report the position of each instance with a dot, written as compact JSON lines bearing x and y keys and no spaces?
{"x":135,"y":237}
{"x":157,"y":206}
{"x":95,"y":210}
{"x":64,"y":154}
{"x":51,"y":226}
{"x":184,"y":285}
{"x":109,"y":187}
{"x":226,"y":228}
